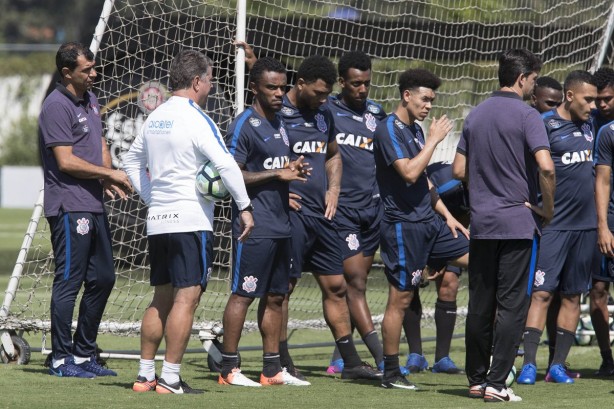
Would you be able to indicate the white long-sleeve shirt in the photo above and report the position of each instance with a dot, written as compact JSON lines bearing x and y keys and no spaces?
{"x":175,"y":140}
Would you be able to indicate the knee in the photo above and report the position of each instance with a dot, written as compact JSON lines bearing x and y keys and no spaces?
{"x":336,"y":290}
{"x":542,"y":297}
{"x":448,"y":290}
{"x":357,"y":285}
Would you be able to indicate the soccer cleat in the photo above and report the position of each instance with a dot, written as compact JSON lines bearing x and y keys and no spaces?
{"x":558,"y":374}
{"x":94,"y":367}
{"x":143,"y":385}
{"x":276,"y":380}
{"x":606,"y":368}
{"x":70,"y":370}
{"x":335,"y":366}
{"x":446,"y":365}
{"x":404,"y":371}
{"x":569,"y":372}
{"x":294,"y":371}
{"x":477,"y":391}
{"x":179,"y":387}
{"x":416,"y":363}
{"x":235,"y":377}
{"x":399,"y":382}
{"x":504,"y":395}
{"x":362,"y":371}
{"x":289,"y":379}
{"x":527,"y":375}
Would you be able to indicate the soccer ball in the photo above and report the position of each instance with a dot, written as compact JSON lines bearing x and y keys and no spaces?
{"x":511,"y":377}
{"x":209,"y":183}
{"x":584,"y":325}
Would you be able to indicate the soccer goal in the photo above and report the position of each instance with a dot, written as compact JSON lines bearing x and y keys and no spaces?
{"x":136,"y":40}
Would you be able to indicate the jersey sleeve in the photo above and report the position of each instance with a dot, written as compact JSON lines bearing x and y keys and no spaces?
{"x":57,"y":130}
{"x":605,"y":142}
{"x":463,"y":146}
{"x":390,"y":142}
{"x":238,"y":141}
{"x":135,"y":165}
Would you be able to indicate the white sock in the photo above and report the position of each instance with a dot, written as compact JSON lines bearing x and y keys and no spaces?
{"x":170,"y":372}
{"x":147,"y":369}
{"x":79,"y":360}
{"x":57,"y":362}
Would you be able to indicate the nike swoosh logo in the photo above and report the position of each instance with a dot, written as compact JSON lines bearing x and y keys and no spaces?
{"x":342,"y":114}
{"x":565,"y":136}
{"x":57,"y":373}
{"x":267,"y":138}
{"x":170,"y":388}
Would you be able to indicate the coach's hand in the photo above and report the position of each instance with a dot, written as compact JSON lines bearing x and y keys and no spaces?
{"x":606,"y":242}
{"x":247,"y":224}
{"x":545,"y":215}
{"x":295,"y":202}
{"x":455,"y":225}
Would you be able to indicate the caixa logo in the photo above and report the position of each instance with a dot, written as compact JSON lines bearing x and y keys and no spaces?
{"x":124,"y":116}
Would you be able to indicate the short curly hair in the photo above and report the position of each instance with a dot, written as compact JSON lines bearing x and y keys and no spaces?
{"x":263,"y":65}
{"x":317,"y":67}
{"x":604,"y":77}
{"x":418,"y":77}
{"x":353,"y":59}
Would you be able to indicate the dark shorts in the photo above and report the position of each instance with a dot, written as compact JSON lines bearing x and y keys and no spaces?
{"x":358,"y":229}
{"x":605,"y":270}
{"x":407,"y":247}
{"x":315,"y":246}
{"x":181,"y":259}
{"x":565,"y":261}
{"x":261,"y":266}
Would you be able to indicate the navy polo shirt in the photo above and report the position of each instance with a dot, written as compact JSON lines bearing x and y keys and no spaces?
{"x":66,"y":120}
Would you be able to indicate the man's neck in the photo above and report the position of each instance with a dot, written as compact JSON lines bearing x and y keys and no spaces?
{"x":402,"y":113}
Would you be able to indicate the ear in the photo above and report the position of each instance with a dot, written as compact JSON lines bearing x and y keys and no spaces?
{"x":252,"y":87}
{"x":65,"y":72}
{"x":522,"y":78}
{"x":406,"y":95}
{"x":569,"y":95}
{"x":341,"y":81}
{"x":196,"y":83}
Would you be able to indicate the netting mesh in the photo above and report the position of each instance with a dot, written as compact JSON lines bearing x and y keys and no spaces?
{"x":457,"y":39}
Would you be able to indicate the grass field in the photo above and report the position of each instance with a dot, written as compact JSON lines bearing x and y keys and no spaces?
{"x":29,"y":386}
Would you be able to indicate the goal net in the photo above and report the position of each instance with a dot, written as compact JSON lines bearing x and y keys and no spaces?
{"x":458,"y":40}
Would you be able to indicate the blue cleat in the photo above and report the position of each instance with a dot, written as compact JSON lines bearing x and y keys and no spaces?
{"x":335,"y":366}
{"x":527,"y":375}
{"x":94,"y":367}
{"x":416,"y":363}
{"x":558,"y":374}
{"x":446,"y":365}
{"x":404,"y":371}
{"x":70,"y":370}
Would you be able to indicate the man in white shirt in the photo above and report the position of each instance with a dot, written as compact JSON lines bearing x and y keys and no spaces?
{"x":174,"y":141}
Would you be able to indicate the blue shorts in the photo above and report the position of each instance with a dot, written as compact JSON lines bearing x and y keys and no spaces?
{"x":181,"y":259}
{"x":565,"y":261}
{"x":358,"y":229}
{"x":407,"y":247}
{"x":605,"y":270}
{"x":315,"y":246}
{"x":261,"y":266}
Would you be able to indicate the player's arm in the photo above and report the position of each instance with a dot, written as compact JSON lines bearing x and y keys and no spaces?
{"x":605,"y":240}
{"x":294,"y":171}
{"x":334,"y":169}
{"x":441,"y":208}
{"x":459,"y":167}
{"x":110,"y":188}
{"x":547,"y":184}
{"x":135,"y":164}
{"x":411,"y":169}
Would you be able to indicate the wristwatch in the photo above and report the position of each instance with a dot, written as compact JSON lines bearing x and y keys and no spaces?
{"x":248,"y":208}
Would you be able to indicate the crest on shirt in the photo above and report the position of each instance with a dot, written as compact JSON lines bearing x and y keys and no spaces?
{"x":250,"y":283}
{"x":554,"y":124}
{"x":321,"y":123}
{"x":287,"y":111}
{"x":370,"y":122}
{"x":416,"y":276}
{"x":612,"y":127}
{"x":373,"y":108}
{"x":94,"y":108}
{"x":400,"y":124}
{"x":284,"y":135}
{"x":209,"y":271}
{"x":83,"y":226}
{"x":255,"y":122}
{"x":539,"y":278}
{"x":588,"y":132}
{"x":86,"y":128}
{"x":353,"y":242}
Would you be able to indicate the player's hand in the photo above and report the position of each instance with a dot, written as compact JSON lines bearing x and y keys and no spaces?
{"x":111,"y":189}
{"x":250,"y":57}
{"x":120,"y":179}
{"x":545,"y":215}
{"x":246,"y":220}
{"x":605,"y":241}
{"x":331,"y":199}
{"x":433,"y":275}
{"x":296,"y":170}
{"x":439,"y":129}
{"x":455,"y":226}
{"x":295,"y":202}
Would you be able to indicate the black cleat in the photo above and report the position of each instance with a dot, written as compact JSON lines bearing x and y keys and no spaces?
{"x":362,"y":371}
{"x":398,"y":382}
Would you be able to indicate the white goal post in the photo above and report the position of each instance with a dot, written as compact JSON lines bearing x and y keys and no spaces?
{"x":136,"y":40}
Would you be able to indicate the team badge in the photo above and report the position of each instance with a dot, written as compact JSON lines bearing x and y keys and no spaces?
{"x":287,"y":111}
{"x":416,"y":276}
{"x":83,"y":226}
{"x":249,"y":284}
{"x":353,"y":242}
{"x":321,"y":123}
{"x":373,"y":108}
{"x":284,"y":135}
{"x":539,"y":278}
{"x":209,"y":271}
{"x":554,"y":124}
{"x":400,"y":124}
{"x":86,"y":128}
{"x":370,"y":122}
{"x":588,"y":132}
{"x":612,"y":127}
{"x":255,"y":122}
{"x":94,"y":108}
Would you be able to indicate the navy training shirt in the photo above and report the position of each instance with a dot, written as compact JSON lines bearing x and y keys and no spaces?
{"x":310,"y":132}
{"x":604,"y":155}
{"x":403,"y":201}
{"x":571,"y":148}
{"x":354,"y":132}
{"x":262,"y":145}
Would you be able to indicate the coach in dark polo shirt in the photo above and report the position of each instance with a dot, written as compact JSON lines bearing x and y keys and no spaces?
{"x":504,"y":155}
{"x":77,"y":169}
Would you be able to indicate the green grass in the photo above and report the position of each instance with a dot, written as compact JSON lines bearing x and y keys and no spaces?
{"x":13,"y":225}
